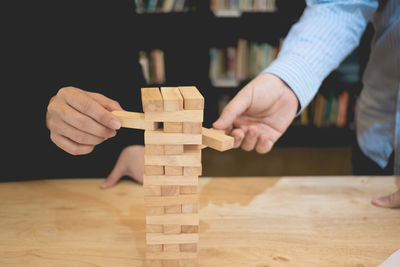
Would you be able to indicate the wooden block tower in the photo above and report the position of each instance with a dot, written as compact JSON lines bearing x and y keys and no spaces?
{"x":172,"y":166}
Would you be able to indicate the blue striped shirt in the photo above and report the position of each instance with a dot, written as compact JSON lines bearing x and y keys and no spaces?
{"x":325,"y":34}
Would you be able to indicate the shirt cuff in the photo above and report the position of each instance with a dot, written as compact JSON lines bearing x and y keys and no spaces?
{"x":298,"y":75}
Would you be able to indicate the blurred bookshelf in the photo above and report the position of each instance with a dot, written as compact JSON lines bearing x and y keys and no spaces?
{"x":221,"y":53}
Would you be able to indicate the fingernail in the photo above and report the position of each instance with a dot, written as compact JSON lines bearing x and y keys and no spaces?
{"x":115,"y":124}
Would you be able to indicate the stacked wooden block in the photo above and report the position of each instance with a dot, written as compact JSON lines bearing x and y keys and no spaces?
{"x":172,"y":166}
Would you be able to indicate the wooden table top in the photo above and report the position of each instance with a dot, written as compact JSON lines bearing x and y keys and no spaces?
{"x":289,"y":221}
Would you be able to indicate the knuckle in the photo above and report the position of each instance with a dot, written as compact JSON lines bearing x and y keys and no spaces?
{"x":82,"y":122}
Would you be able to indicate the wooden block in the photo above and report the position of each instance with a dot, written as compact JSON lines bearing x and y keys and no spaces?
{"x":171,"y":247}
{"x":193,"y":100}
{"x":173,"y":149}
{"x":161,"y":138}
{"x":187,"y":160}
{"x":171,"y":255}
{"x":190,"y":208}
{"x":182,"y":219}
{"x":169,"y":190}
{"x":153,"y":263}
{"x":153,"y":170}
{"x":189,"y":229}
{"x":188,"y":247}
{"x":174,"y":209}
{"x":188,"y":190}
{"x":173,"y":127}
{"x":157,"y":238}
{"x":170,"y":229}
{"x":217,"y":140}
{"x":188,"y":262}
{"x":171,"y":180}
{"x":155,"y":211}
{"x":152,"y":190}
{"x":173,"y":171}
{"x":173,"y":100}
{"x":155,"y":201}
{"x":174,"y":116}
{"x":154,"y":149}
{"x":170,"y":263}
{"x":192,"y":171}
{"x":152,"y":100}
{"x":154,"y":228}
{"x":154,"y":248}
{"x":134,"y":120}
{"x":192,"y":127}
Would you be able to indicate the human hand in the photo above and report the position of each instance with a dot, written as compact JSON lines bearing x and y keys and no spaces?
{"x":389,"y":201}
{"x":259,"y":114}
{"x":130,"y":163}
{"x":79,"y":120}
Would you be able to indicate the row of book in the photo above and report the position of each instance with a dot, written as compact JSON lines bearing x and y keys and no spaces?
{"x":153,"y":66}
{"x":245,"y":61}
{"x":244,"y":5}
{"x":162,"y":6}
{"x":331,"y":111}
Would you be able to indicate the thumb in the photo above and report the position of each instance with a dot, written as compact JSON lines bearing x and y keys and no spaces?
{"x":389,"y":201}
{"x":238,"y":105}
{"x":116,"y":174}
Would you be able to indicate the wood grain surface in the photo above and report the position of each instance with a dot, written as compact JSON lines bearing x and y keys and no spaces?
{"x":289,"y":221}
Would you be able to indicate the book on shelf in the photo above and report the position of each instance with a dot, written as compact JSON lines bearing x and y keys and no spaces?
{"x":162,"y":6}
{"x":243,"y":62}
{"x":153,"y":66}
{"x":234,"y":8}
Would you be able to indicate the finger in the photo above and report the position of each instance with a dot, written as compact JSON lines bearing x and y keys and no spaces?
{"x":70,"y":146}
{"x":75,"y":134}
{"x":238,"y":135}
{"x":86,"y":105}
{"x":116,"y":174}
{"x":264,"y":144}
{"x":233,"y":109}
{"x":250,"y":139}
{"x":389,"y":201}
{"x":84,"y":123}
{"x":106,"y":102}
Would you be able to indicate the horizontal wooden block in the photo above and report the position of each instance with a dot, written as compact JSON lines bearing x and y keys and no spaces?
{"x":193,"y":100}
{"x":192,"y":171}
{"x":173,"y":127}
{"x":188,"y":190}
{"x":217,"y":140}
{"x":173,"y":171}
{"x":156,"y":210}
{"x":152,"y":190}
{"x":153,"y":170}
{"x":152,"y":100}
{"x":174,"y":209}
{"x":154,"y":228}
{"x":171,"y":255}
{"x":170,"y":229}
{"x":189,"y":228}
{"x":188,"y":247}
{"x":187,"y":159}
{"x":192,"y":127}
{"x":169,"y":190}
{"x":173,"y":100}
{"x":161,"y":138}
{"x":183,"y":219}
{"x":154,"y":149}
{"x":169,"y":201}
{"x":170,"y":263}
{"x":190,"y":208}
{"x":135,"y":120}
{"x":173,"y":149}
{"x":157,"y":238}
{"x":170,"y":180}
{"x":154,"y":248}
{"x":175,"y":116}
{"x":171,"y":247}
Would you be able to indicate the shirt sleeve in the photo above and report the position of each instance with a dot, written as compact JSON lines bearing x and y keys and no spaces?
{"x":325,"y":34}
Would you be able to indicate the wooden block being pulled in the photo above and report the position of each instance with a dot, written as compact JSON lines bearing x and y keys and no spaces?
{"x":160,"y":138}
{"x":217,"y":140}
{"x":175,"y":116}
{"x":152,"y":100}
{"x":193,"y":100}
{"x":157,"y":238}
{"x":134,"y":120}
{"x":172,"y":98}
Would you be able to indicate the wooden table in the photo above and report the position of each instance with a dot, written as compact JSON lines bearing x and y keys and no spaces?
{"x":289,"y":221}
